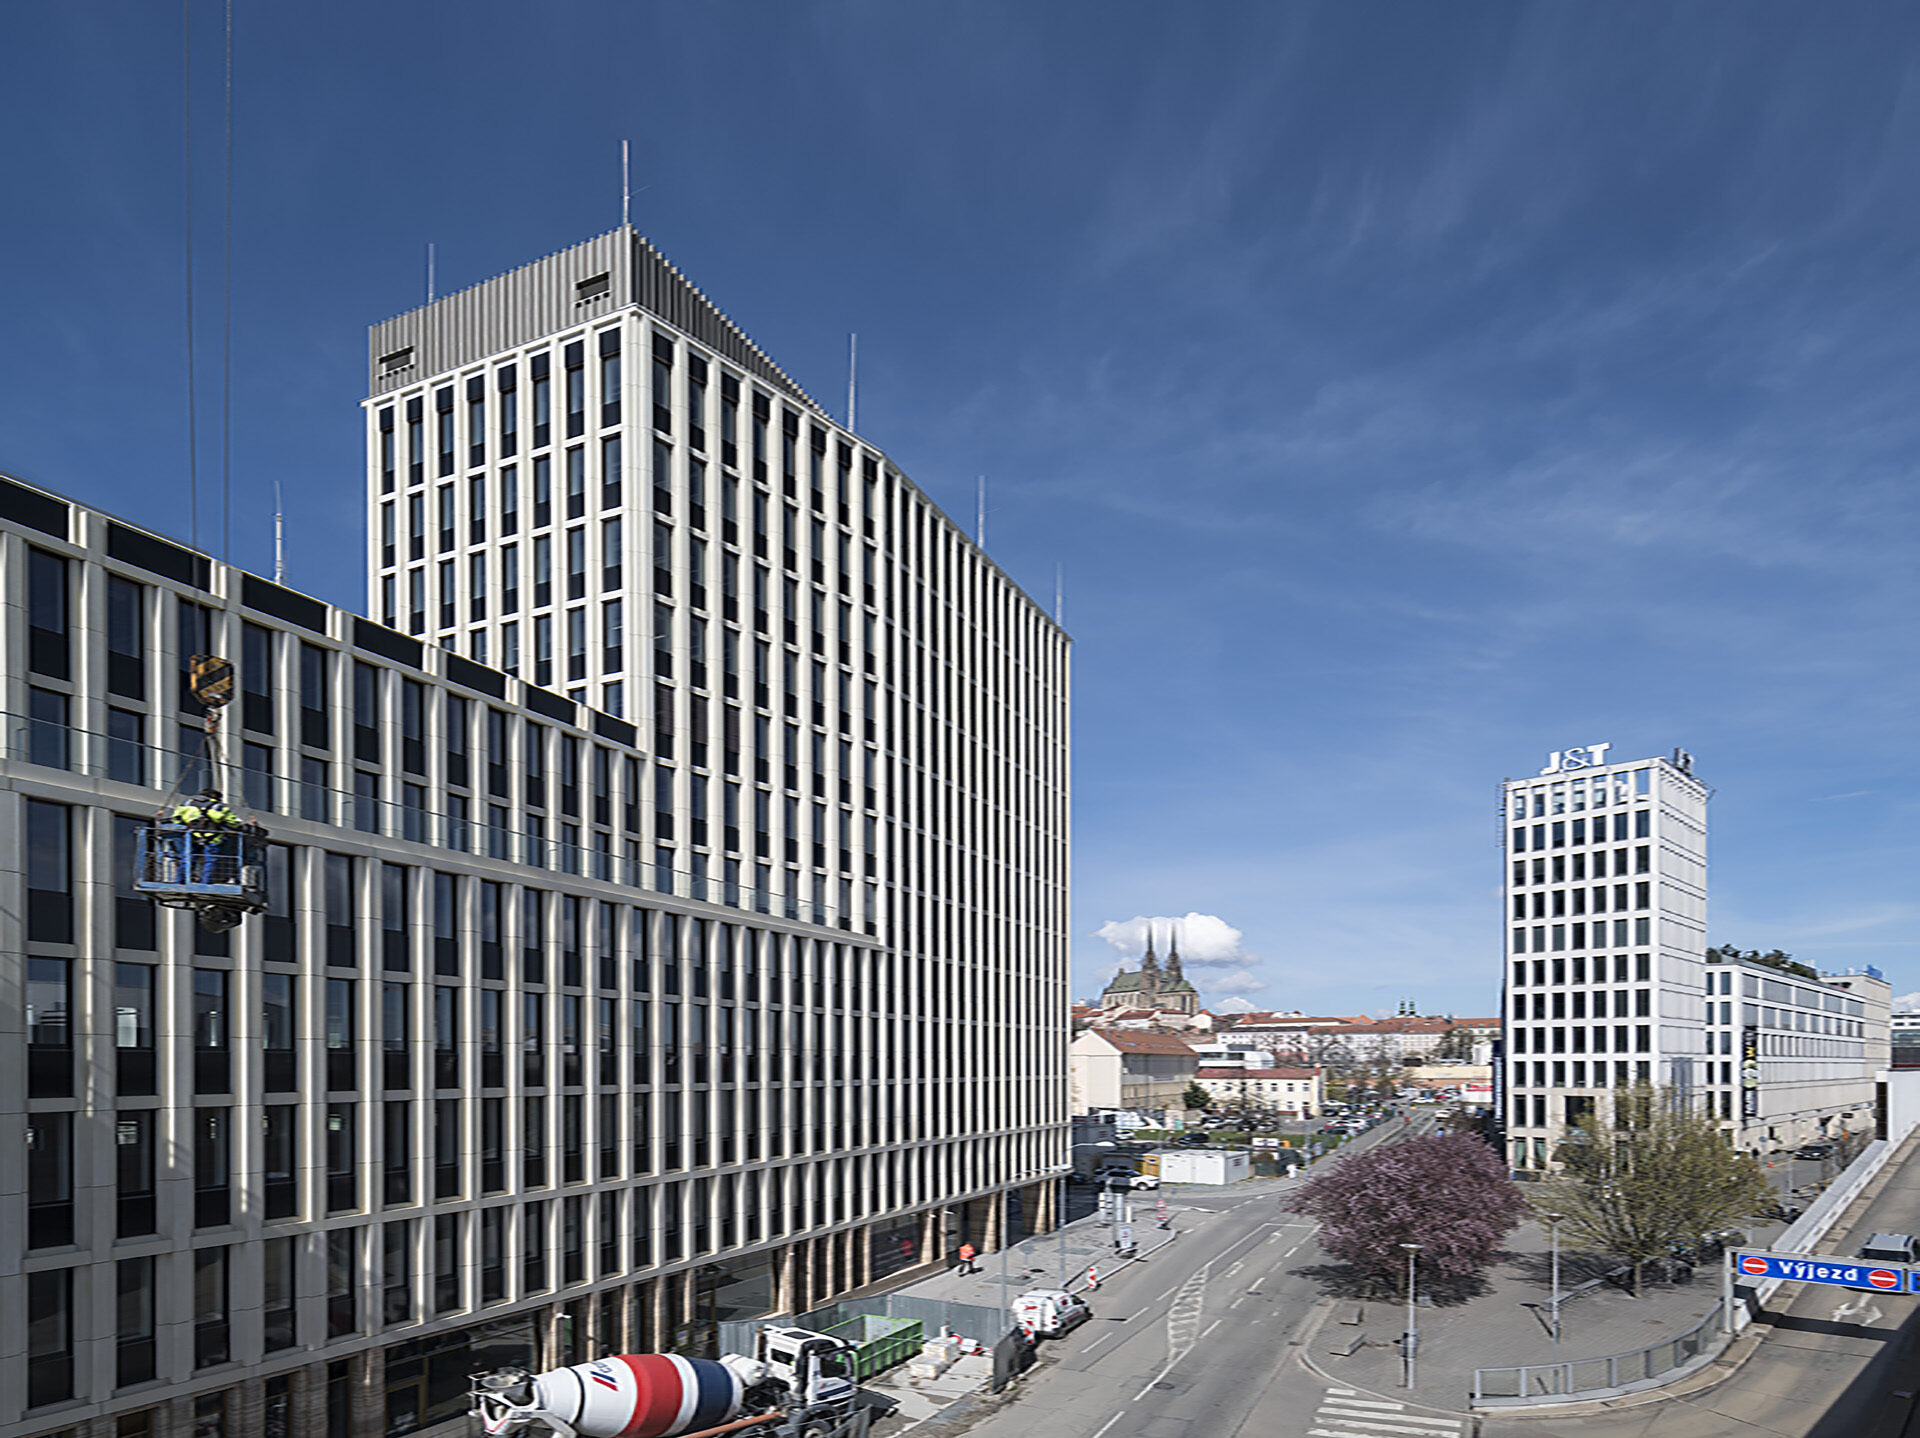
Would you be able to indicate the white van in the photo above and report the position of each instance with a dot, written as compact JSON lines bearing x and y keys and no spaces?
{"x":1050,"y":1312}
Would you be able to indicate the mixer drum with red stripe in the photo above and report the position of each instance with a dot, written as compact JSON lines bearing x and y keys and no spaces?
{"x":644,"y":1395}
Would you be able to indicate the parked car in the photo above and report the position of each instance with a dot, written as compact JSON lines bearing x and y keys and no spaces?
{"x":1890,"y":1248}
{"x":1125,"y":1178}
{"x":1814,"y":1150}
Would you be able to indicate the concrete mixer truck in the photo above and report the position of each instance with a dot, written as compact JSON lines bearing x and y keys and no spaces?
{"x":793,"y":1386}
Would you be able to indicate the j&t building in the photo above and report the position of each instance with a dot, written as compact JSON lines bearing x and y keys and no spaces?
{"x":1609,"y":980}
{"x":665,"y":893}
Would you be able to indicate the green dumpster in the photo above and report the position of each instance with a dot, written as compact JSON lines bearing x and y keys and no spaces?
{"x":878,"y":1342}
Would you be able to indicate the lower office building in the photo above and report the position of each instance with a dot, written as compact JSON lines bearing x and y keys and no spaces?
{"x":488,"y":1081}
{"x":1794,"y":1053}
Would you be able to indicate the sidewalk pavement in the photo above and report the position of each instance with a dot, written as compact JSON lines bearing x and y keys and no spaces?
{"x":1036,"y":1263}
{"x":1509,"y":1324}
{"x":1061,"y":1259}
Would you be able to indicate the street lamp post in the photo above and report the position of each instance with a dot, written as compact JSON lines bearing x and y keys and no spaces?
{"x":1411,"y":1341}
{"x":1553,"y":1240}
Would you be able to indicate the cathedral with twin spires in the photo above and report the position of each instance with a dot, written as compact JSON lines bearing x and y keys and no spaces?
{"x":1151,"y":986}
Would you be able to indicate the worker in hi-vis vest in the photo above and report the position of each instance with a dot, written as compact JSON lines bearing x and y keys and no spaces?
{"x":209,"y":824}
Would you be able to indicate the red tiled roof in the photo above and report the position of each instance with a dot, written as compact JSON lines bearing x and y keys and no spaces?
{"x":1140,"y":1041}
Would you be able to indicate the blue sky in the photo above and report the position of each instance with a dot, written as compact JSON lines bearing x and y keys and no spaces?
{"x":1401,"y":392}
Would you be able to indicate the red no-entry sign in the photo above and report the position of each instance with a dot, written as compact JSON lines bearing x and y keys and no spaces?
{"x":1841,"y":1272}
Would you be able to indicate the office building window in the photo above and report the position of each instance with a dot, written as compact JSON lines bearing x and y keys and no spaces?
{"x":211,"y":1343}
{"x":49,"y":1314}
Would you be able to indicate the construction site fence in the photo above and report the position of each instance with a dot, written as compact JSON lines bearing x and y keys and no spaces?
{"x":970,"y":1320}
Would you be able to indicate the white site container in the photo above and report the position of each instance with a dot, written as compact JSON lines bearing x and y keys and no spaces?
{"x":1204,"y":1165}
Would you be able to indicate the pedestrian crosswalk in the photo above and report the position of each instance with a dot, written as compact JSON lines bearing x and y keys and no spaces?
{"x":1348,"y":1413}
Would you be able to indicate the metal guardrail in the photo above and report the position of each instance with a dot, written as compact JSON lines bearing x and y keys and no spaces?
{"x":1594,"y":1377}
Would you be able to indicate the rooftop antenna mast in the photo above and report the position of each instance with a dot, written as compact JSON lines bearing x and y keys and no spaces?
{"x":279,"y":538}
{"x":853,"y":369}
{"x":626,"y":190}
{"x":980,"y":515}
{"x":1059,"y":590}
{"x":429,"y":271}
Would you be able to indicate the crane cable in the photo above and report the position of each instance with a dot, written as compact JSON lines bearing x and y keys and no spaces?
{"x":186,"y":148}
{"x":211,"y":679}
{"x":226,"y":338}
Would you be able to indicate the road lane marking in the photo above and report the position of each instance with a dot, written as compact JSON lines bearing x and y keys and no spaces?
{"x":1862,"y":1310}
{"x":1238,"y":1301}
{"x":1379,"y":1425}
{"x":1110,"y":1422}
{"x":1183,"y":1319}
{"x":1101,"y":1339}
{"x":1348,"y":1415}
{"x":1211,"y":1326}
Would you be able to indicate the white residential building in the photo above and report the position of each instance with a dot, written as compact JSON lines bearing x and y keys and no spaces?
{"x":1131,"y":1069}
{"x":1277,"y":1092}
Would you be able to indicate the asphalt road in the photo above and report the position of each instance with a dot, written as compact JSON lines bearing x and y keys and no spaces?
{"x":1183,"y":1344}
{"x":1836,"y":1364}
{"x":1201,"y":1341}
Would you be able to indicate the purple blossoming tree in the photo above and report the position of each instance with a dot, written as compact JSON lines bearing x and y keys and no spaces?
{"x":1450,"y":1195}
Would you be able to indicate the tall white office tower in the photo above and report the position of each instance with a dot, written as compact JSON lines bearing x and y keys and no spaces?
{"x":584,"y":474}
{"x":668,"y":931}
{"x":1606,"y":915}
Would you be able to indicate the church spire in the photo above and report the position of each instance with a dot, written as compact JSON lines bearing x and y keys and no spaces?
{"x":1173,"y":954}
{"x":1149,"y":964}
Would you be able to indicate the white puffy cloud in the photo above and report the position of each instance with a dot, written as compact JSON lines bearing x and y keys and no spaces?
{"x":1204,"y":939}
{"x":1907,"y":1003}
{"x":1240,"y":981}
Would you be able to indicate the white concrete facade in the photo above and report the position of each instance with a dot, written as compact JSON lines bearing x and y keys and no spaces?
{"x":1287,"y":1092}
{"x":578,"y":1025}
{"x":1130,"y":1070}
{"x":1802,"y":1054}
{"x":1605,"y":903}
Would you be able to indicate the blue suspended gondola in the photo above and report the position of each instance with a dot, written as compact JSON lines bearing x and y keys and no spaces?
{"x":185,"y":868}
{"x":200,"y":857}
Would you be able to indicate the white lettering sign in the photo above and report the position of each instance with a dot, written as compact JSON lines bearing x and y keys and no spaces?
{"x":1563,"y":760}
